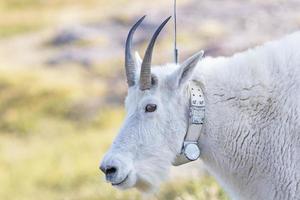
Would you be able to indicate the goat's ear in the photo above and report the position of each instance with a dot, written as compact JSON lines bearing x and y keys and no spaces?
{"x":185,"y":71}
{"x":138,"y":59}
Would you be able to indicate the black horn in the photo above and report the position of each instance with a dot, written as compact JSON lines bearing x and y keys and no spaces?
{"x":129,"y":61}
{"x":145,"y":76}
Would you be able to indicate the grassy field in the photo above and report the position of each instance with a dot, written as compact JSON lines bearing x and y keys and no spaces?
{"x":48,"y":151}
{"x":54,"y":129}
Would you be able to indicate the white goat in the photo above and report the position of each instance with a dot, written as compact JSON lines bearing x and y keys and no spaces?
{"x":250,"y":140}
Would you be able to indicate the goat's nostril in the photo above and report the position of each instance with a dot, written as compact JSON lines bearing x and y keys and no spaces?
{"x":110,"y":170}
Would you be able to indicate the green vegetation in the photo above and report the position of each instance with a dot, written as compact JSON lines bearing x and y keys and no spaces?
{"x":46,"y":154}
{"x":51,"y":145}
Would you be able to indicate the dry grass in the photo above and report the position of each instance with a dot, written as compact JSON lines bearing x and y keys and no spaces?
{"x":49,"y":151}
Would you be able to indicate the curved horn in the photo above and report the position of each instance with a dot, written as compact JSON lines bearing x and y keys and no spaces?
{"x":145,"y":76}
{"x":129,"y":61}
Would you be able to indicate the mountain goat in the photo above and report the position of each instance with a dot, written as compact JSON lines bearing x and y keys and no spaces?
{"x":250,"y":136}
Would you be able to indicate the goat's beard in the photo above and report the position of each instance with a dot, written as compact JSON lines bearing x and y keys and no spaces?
{"x":151,"y":172}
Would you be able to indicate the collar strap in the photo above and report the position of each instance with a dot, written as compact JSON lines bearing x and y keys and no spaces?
{"x":190,"y":150}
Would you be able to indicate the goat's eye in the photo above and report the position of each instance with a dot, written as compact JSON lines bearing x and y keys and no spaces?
{"x":150,"y":108}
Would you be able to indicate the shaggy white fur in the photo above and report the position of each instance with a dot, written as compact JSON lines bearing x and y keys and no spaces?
{"x":251,"y":137}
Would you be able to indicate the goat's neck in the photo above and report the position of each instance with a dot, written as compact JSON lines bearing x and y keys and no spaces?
{"x":232,"y":94}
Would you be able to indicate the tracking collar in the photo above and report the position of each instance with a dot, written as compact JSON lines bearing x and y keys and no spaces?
{"x":190,"y":150}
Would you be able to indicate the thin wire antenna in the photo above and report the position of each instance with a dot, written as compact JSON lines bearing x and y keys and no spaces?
{"x":175,"y":33}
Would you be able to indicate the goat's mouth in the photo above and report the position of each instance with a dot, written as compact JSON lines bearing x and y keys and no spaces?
{"x":121,"y":182}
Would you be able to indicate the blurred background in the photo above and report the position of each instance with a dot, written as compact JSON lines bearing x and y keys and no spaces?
{"x":62,"y":85}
